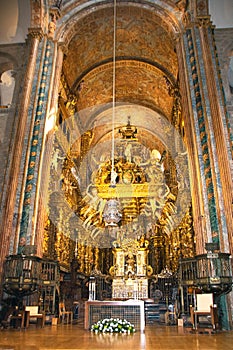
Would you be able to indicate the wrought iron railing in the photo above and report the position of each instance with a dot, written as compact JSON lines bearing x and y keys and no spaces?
{"x":210,"y":272}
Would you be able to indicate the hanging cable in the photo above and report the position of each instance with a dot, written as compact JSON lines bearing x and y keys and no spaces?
{"x":113,"y":173}
{"x":112,"y":214}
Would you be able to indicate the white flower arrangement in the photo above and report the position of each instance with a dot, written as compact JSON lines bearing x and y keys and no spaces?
{"x":113,"y":325}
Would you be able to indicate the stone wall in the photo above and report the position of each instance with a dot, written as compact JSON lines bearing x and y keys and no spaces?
{"x":12,"y":57}
{"x":224,"y":43}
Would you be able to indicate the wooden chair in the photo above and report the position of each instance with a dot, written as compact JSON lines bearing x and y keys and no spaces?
{"x":19,"y":319}
{"x":206,"y":310}
{"x":34,"y":315}
{"x":64,"y":315}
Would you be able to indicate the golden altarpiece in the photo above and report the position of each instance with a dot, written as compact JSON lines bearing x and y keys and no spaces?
{"x":131,"y":270}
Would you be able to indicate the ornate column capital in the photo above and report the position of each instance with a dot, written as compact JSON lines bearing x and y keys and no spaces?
{"x":204,"y":21}
{"x":35,"y":33}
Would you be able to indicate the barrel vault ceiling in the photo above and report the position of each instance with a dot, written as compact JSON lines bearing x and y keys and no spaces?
{"x":145,"y":60}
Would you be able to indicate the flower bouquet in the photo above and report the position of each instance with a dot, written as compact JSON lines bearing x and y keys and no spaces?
{"x":113,"y":325}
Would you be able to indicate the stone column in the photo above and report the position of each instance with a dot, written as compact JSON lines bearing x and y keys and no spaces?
{"x":39,"y":114}
{"x":204,"y":113}
{"x":219,"y":134}
{"x":42,"y":196}
{"x":34,"y":38}
{"x":209,"y":141}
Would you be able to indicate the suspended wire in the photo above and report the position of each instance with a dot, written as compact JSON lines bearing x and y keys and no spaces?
{"x":113,"y":177}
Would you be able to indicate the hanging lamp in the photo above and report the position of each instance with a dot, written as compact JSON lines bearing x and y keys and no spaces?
{"x":112,"y":213}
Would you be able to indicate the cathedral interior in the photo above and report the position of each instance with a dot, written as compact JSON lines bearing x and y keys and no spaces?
{"x":116,"y":140}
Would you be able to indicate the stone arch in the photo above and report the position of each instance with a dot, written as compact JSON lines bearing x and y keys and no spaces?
{"x":7,"y":86}
{"x":7,"y":79}
{"x":38,"y":16}
{"x":74,"y":12}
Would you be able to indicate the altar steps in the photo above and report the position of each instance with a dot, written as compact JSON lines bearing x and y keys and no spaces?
{"x":155,"y":312}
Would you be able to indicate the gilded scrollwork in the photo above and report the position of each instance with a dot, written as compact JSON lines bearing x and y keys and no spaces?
{"x":144,"y":185}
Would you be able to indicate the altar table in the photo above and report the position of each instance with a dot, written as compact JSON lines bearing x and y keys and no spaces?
{"x":131,"y":310}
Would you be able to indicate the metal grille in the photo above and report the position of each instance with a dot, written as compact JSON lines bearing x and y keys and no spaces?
{"x":133,"y":313}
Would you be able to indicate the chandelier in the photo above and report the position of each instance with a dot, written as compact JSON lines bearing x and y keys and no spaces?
{"x":112,"y":214}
